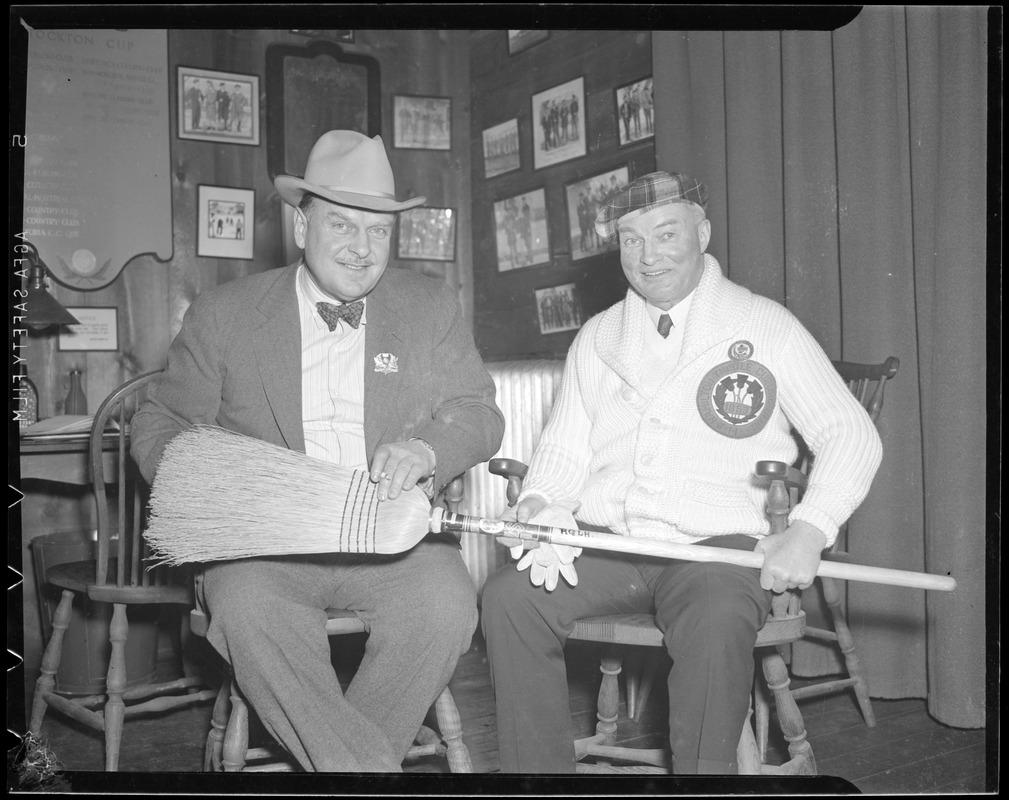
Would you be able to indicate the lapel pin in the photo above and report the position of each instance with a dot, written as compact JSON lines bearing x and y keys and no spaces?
{"x":386,"y":363}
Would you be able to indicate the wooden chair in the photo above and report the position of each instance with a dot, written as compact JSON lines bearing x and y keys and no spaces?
{"x":784,"y":625}
{"x":227,"y":748}
{"x":118,"y":575}
{"x":868,"y":383}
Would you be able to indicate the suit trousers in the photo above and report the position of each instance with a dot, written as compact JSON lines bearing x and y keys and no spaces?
{"x":268,"y":618}
{"x":709,"y":614}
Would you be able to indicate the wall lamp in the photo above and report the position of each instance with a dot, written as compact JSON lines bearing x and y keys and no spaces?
{"x":43,"y":309}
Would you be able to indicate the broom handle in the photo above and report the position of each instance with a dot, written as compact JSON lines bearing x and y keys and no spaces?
{"x":460,"y":523}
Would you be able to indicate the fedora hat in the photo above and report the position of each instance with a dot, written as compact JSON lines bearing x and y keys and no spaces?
{"x":347,"y":168}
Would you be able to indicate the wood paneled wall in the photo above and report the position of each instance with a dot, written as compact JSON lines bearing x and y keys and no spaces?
{"x":505,"y":314}
{"x":152,"y":296}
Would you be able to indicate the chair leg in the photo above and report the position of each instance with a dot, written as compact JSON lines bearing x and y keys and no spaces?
{"x":218,"y":725}
{"x":46,"y":681}
{"x":608,"y":703}
{"x":847,"y":645}
{"x":450,"y":726}
{"x":236,"y":736}
{"x":789,"y":717}
{"x":115,"y":685}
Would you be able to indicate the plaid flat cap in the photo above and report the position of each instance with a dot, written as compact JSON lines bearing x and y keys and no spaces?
{"x":648,"y":192}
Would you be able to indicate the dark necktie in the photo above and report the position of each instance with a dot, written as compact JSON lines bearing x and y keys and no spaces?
{"x":665,"y":325}
{"x":348,"y":312}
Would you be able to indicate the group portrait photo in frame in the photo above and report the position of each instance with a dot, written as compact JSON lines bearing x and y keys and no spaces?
{"x":635,"y":117}
{"x":218,"y":106}
{"x":558,"y":309}
{"x":226,"y":222}
{"x":422,"y":123}
{"x":558,"y":118}
{"x":584,"y":197}
{"x":501,"y":149}
{"x":427,"y":234}
{"x":520,"y":224}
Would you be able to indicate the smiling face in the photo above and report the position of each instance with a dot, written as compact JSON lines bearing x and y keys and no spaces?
{"x":346,"y":249}
{"x":662,"y":251}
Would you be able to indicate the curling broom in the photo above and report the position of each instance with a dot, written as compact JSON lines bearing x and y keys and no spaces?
{"x":219,"y":495}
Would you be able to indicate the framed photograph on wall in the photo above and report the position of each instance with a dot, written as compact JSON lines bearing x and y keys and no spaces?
{"x":501,"y":149}
{"x":558,"y":309}
{"x":583,"y":200}
{"x":559,"y":124}
{"x":422,"y":123}
{"x":225,"y":222}
{"x":427,"y":234}
{"x":218,"y":106}
{"x":520,"y":224}
{"x":98,"y":329}
{"x":523,"y":40}
{"x":635,"y":120}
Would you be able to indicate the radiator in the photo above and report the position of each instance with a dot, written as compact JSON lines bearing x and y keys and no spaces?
{"x":525,"y":395}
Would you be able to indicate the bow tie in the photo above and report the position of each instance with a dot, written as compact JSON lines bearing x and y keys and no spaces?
{"x":348,"y":312}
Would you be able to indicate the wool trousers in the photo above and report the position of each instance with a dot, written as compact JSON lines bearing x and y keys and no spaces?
{"x":268,"y":618}
{"x":709,"y":615}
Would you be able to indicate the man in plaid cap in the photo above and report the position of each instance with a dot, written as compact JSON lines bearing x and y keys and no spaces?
{"x":669,"y":399}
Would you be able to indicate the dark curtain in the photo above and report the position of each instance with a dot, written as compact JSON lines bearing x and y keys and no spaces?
{"x":847,"y":175}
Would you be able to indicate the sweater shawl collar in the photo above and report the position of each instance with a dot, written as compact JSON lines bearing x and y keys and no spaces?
{"x":719,"y":308}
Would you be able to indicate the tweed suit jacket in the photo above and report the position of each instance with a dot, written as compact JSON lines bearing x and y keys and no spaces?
{"x":236,"y":363}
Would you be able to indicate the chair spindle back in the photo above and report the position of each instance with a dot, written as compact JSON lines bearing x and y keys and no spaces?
{"x":120,"y":496}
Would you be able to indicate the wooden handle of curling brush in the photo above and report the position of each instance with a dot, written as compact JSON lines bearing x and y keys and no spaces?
{"x":460,"y":523}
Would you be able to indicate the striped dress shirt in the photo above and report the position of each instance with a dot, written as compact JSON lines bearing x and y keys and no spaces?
{"x":332,"y":380}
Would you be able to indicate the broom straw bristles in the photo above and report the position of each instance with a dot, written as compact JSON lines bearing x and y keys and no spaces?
{"x":220,"y":495}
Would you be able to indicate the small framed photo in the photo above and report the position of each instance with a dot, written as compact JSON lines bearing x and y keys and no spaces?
{"x":422,"y":123}
{"x":218,"y":106}
{"x":558,"y":309}
{"x":98,"y":330}
{"x":635,"y":118}
{"x":559,"y":124}
{"x":520,"y":223}
{"x":523,"y":40}
{"x":225,"y":222}
{"x":501,"y":149}
{"x":427,"y":234}
{"x":583,"y":200}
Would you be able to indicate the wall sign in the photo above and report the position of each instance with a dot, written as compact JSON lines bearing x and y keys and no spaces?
{"x":97,"y":182}
{"x":98,"y":330}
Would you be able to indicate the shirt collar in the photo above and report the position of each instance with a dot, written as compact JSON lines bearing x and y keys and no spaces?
{"x":310,"y":290}
{"x":677,"y":314}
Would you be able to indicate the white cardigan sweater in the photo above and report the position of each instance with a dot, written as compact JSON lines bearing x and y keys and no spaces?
{"x":649,"y":464}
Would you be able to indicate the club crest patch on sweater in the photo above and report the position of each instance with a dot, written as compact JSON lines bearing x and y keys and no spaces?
{"x":736,"y":397}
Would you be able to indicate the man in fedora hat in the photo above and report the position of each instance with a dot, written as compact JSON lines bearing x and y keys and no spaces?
{"x":669,"y":399}
{"x":368,"y":367}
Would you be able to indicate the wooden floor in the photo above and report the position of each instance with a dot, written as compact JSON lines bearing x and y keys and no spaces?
{"x":906,"y":753}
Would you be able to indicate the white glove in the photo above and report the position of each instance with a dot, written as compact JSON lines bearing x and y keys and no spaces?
{"x":548,"y":561}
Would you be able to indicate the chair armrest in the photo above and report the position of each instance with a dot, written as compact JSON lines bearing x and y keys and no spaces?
{"x":453,"y":493}
{"x":514,"y":471}
{"x":793,"y":478}
{"x":786,"y":484}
